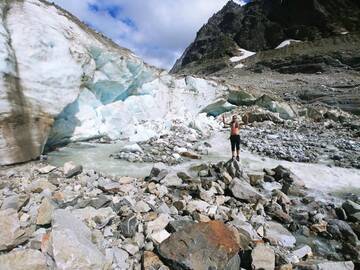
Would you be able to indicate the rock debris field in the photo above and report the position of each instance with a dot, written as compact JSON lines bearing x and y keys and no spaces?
{"x":214,"y":216}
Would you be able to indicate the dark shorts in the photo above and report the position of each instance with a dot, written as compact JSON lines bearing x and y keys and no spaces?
{"x":235,"y":142}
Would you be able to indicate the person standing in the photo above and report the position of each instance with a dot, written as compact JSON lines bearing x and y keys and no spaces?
{"x":234,"y":136}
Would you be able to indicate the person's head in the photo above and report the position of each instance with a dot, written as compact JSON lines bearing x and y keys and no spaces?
{"x":234,"y":118}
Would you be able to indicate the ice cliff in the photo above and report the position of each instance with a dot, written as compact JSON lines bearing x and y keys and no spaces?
{"x":61,"y":81}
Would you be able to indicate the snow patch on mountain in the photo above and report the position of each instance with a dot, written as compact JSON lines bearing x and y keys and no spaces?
{"x":286,"y":43}
{"x":243,"y":55}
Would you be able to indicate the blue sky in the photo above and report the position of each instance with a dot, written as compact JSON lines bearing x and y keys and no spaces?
{"x":156,"y":30}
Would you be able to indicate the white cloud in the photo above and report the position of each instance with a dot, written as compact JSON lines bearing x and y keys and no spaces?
{"x":162,"y":28}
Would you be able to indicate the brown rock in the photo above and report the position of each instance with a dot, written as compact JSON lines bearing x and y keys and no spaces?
{"x":201,"y":246}
{"x":151,"y":261}
{"x":190,"y":155}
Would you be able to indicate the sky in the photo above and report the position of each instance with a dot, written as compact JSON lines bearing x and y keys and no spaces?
{"x":156,"y":30}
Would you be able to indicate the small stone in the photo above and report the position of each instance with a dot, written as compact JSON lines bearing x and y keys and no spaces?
{"x":71,"y":169}
{"x":142,"y":207}
{"x":278,"y":235}
{"x":158,"y":224}
{"x":319,"y":227}
{"x":45,"y":212}
{"x":131,"y":248}
{"x":109,"y":186}
{"x":263,"y":258}
{"x":151,"y":261}
{"x":255,"y":178}
{"x":190,"y":155}
{"x":46,"y":169}
{"x":159,"y":236}
{"x":128,"y":226}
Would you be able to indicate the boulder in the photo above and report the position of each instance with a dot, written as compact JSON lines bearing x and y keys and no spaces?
{"x":28,"y":259}
{"x":240,"y":98}
{"x":71,"y":243}
{"x":71,"y":169}
{"x":351,"y":207}
{"x":200,"y":246}
{"x":283,"y":109}
{"x":218,"y":107}
{"x":244,"y":191}
{"x":261,"y":115}
{"x":11,"y":234}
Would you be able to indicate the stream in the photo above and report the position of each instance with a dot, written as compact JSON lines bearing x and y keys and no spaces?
{"x":318,"y":177}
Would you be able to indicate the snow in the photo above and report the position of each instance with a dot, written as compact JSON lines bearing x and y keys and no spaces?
{"x":239,"y":66}
{"x":243,"y":55}
{"x":287,"y":43}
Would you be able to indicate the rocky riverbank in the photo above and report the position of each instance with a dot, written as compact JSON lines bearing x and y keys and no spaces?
{"x":214,"y":216}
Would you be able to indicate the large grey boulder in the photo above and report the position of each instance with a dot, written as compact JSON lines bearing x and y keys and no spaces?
{"x":244,"y":191}
{"x":72,"y":246}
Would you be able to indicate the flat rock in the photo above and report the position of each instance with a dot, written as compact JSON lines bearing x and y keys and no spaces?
{"x":200,"y":246}
{"x":28,"y":259}
{"x":263,"y":258}
{"x":279,"y":235}
{"x":15,"y":202}
{"x":72,"y":246}
{"x":159,"y":236}
{"x":11,"y":234}
{"x":244,"y":191}
{"x":47,"y":169}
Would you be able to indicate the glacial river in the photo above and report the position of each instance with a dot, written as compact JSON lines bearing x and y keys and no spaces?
{"x":319,"y":177}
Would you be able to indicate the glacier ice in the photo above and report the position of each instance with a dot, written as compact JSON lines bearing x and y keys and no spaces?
{"x":68,"y":83}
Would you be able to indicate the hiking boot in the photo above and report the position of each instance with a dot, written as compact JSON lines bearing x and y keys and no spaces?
{"x":238,"y":158}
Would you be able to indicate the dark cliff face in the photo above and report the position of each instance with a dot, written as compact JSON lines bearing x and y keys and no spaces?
{"x":264,"y":24}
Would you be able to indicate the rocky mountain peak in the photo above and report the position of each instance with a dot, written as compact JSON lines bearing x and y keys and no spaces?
{"x":264,"y":24}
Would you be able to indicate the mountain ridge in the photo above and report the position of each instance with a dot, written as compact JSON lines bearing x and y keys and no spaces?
{"x":263,"y":24}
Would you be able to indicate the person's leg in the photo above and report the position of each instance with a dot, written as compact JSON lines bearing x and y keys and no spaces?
{"x":238,"y":148}
{"x":233,"y":146}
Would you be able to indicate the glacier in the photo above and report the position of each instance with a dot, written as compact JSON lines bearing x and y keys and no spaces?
{"x":69,"y":83}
